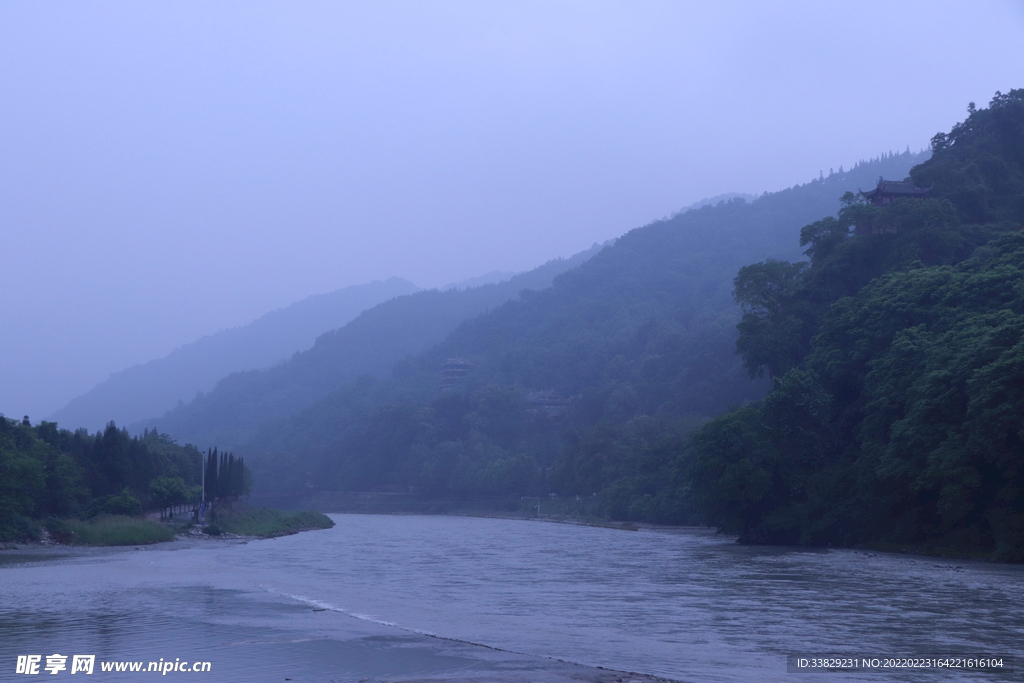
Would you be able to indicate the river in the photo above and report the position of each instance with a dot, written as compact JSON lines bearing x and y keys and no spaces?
{"x":410,"y":597}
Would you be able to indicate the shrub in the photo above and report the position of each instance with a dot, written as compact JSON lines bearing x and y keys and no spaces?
{"x":123,"y":503}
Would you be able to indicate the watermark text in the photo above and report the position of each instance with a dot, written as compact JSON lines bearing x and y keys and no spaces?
{"x":32,"y":665}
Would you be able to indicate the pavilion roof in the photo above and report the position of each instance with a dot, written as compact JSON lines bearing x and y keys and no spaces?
{"x":898,"y":188}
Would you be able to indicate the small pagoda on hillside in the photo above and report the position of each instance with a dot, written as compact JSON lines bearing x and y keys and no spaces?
{"x":888,"y":190}
{"x":453,"y":370}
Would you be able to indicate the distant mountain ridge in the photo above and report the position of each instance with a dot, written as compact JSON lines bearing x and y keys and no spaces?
{"x":370,"y":344}
{"x":493,"y":277}
{"x":644,"y":330}
{"x":151,"y":389}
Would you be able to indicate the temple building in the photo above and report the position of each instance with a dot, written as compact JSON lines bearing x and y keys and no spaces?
{"x":888,"y":190}
{"x":548,"y":403}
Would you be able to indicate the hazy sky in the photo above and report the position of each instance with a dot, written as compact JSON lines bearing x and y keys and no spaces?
{"x":168,"y":169}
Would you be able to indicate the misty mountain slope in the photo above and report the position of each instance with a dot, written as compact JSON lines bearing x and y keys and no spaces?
{"x":897,"y":411}
{"x":151,"y":389}
{"x":370,"y":344}
{"x":646,"y":327}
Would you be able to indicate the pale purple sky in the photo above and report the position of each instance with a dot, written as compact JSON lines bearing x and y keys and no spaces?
{"x":169,"y":169}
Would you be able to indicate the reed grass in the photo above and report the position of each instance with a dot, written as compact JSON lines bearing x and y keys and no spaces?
{"x":266,"y":523}
{"x":110,"y":530}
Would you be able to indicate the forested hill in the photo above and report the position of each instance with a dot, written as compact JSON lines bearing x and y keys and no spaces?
{"x":46,"y":472}
{"x":153,"y":388}
{"x":645,"y":328}
{"x":897,"y":410}
{"x":370,"y":344}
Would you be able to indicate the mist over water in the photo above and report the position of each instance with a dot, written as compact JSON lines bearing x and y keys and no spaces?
{"x":686,"y":605}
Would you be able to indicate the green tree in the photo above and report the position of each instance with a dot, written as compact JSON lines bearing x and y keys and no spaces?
{"x":773,"y":335}
{"x":167,"y":491}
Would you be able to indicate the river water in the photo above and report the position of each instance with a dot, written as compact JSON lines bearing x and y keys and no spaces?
{"x":363,"y":599}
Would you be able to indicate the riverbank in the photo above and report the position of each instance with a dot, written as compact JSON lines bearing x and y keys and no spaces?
{"x":242,"y":520}
{"x":573,"y":510}
{"x":234,"y":521}
{"x":944,"y":552}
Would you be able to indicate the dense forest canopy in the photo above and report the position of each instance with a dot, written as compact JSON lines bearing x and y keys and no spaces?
{"x":50,"y":472}
{"x":897,"y":406}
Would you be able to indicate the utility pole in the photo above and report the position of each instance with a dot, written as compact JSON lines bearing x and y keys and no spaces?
{"x":533,"y":498}
{"x":202,"y":499}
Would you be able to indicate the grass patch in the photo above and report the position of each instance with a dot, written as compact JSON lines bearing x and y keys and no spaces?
{"x":265,"y":522}
{"x":109,"y":530}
